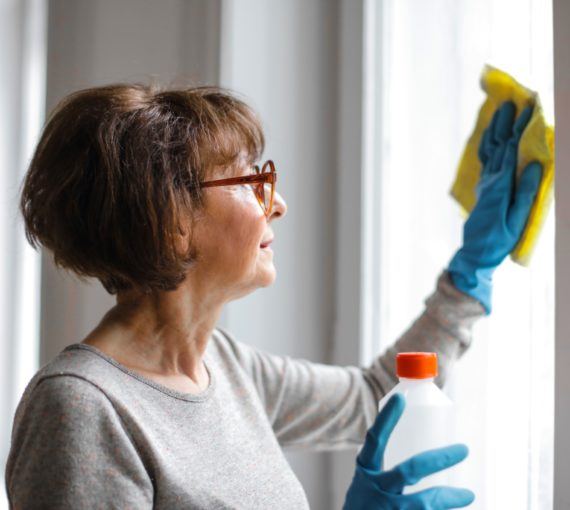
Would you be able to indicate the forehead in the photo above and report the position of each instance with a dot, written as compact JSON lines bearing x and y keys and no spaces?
{"x":242,"y":165}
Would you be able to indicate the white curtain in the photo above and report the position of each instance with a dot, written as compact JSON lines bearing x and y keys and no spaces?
{"x":22,"y":94}
{"x":429,"y":56}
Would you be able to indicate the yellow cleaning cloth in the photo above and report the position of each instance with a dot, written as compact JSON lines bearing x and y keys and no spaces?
{"x":536,"y":144}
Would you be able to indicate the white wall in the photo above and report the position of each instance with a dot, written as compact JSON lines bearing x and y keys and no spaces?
{"x":99,"y":42}
{"x":282,"y":56}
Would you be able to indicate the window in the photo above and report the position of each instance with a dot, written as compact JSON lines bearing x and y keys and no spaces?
{"x":424,"y":62}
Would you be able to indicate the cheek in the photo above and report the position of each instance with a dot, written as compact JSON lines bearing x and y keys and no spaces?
{"x":247,"y":233}
{"x":242,"y":227}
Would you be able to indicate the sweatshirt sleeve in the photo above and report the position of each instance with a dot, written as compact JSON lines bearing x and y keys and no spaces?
{"x":323,"y":407}
{"x":70,"y":450}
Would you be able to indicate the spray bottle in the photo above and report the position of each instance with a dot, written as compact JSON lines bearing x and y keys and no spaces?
{"x":428,"y":418}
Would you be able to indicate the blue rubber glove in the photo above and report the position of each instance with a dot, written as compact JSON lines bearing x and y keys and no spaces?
{"x":373,"y":488}
{"x":498,"y":219}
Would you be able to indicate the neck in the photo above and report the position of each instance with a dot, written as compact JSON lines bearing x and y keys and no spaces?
{"x":163,"y":333}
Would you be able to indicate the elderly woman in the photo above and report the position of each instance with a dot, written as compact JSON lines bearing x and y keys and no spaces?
{"x":156,"y":194}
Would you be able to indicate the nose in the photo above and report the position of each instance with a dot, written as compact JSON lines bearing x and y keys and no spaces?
{"x":279,"y":207}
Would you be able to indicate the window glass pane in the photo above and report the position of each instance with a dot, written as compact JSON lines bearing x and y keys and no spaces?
{"x":431,"y":55}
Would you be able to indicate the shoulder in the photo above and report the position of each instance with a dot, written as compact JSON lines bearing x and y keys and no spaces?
{"x":84,"y":365}
{"x":66,"y":390}
{"x":223,"y":341}
{"x":65,"y":399}
{"x":231,"y":354}
{"x":70,"y":383}
{"x":77,"y":360}
{"x":66,"y":436}
{"x":256,"y":363}
{"x":227,"y":347}
{"x":57,"y":417}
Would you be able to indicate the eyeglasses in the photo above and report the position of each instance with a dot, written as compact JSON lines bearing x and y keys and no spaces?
{"x":263,"y":184}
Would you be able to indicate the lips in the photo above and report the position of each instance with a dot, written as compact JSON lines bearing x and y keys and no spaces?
{"x":266,"y":243}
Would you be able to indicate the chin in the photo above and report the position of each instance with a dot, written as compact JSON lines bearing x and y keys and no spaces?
{"x":268,"y":278}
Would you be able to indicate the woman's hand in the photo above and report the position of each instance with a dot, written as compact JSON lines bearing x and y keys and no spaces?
{"x":499,"y":217}
{"x":374,"y":488}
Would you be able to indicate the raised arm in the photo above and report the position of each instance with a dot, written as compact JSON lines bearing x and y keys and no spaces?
{"x":323,"y":407}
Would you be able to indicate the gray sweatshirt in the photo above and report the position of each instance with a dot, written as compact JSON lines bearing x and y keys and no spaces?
{"x":89,"y":433}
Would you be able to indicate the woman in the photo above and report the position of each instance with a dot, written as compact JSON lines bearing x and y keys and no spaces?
{"x":154,"y":193}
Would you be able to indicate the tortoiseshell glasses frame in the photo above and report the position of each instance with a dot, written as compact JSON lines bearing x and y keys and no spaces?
{"x":260,"y":179}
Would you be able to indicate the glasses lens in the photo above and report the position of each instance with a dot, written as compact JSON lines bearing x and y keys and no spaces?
{"x":261,"y":194}
{"x":264,"y":191}
{"x":267,"y":188}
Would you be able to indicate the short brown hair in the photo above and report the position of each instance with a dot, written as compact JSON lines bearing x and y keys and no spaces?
{"x":117,"y":168}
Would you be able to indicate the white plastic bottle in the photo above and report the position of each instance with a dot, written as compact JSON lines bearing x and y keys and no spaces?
{"x":427,"y":421}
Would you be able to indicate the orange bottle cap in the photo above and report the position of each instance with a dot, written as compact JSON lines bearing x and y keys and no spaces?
{"x":416,"y":365}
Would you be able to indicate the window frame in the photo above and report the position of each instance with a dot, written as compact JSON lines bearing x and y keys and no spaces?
{"x":357,"y":185}
{"x":561,"y":17}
